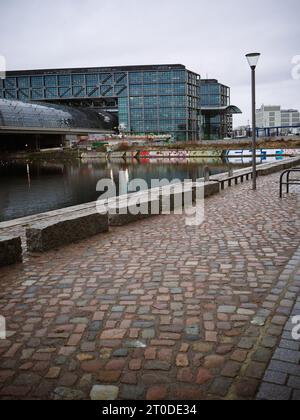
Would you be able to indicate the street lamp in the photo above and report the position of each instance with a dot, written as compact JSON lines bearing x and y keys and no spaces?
{"x":253,"y":60}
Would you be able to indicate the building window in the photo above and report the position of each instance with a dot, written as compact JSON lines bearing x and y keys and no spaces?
{"x":23,"y":82}
{"x":78,"y":79}
{"x":136,"y":90}
{"x":37,"y":81}
{"x":50,"y":81}
{"x":92,"y":79}
{"x":64,"y":80}
{"x":136,"y":78}
{"x":51,"y":93}
{"x":10,"y":83}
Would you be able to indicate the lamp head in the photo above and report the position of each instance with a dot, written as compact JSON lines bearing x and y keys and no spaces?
{"x":253,"y":59}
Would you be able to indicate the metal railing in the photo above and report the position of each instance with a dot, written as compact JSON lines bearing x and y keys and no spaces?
{"x":289,"y":181}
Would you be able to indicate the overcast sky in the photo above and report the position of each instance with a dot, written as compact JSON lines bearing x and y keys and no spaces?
{"x":209,"y":37}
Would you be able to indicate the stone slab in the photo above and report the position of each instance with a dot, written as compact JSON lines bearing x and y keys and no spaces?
{"x":47,"y":235}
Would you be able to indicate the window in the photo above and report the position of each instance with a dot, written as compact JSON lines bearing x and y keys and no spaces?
{"x":78,"y":79}
{"x":50,"y":81}
{"x":93,"y":92}
{"x":23,"y":94}
{"x":150,"y":114}
{"x":64,"y":92}
{"x":23,"y":82}
{"x":10,"y":83}
{"x":51,"y":93}
{"x":119,"y":77}
{"x":136,"y":102}
{"x":150,"y":90}
{"x":151,"y":102}
{"x":106,"y":78}
{"x":10,"y":94}
{"x":64,"y":80}
{"x":121,"y":90}
{"x":37,"y":94}
{"x":137,"y":114}
{"x":165,"y":77}
{"x":92,"y":79}
{"x":165,"y":89}
{"x":37,"y":81}
{"x":107,"y":91}
{"x":136,"y":78}
{"x":136,"y":90}
{"x":150,"y":77}
{"x":179,"y":76}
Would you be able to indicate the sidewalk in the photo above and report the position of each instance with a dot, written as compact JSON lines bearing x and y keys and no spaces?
{"x":159,"y":310}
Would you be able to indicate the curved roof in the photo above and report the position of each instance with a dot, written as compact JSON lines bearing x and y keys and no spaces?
{"x":23,"y":114}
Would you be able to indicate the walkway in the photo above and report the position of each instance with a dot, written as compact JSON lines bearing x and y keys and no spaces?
{"x":157,"y":309}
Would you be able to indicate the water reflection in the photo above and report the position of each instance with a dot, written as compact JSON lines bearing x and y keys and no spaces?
{"x":28,"y":188}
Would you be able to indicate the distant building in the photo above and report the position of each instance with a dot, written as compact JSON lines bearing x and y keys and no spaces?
{"x":217,"y":112}
{"x":242,"y":132}
{"x":274,"y":116}
{"x":153,"y":99}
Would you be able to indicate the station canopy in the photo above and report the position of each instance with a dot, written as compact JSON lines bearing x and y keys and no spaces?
{"x":35,"y":115}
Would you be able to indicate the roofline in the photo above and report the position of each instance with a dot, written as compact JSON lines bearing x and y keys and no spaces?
{"x":214,"y":81}
{"x":74,"y":70}
{"x":232,"y":108}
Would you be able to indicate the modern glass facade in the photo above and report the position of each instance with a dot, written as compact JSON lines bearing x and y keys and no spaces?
{"x":148,"y":99}
{"x":216,"y":109}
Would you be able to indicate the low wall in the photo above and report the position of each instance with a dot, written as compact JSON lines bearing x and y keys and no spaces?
{"x":10,"y":250}
{"x":268,"y":168}
{"x":48,"y":235}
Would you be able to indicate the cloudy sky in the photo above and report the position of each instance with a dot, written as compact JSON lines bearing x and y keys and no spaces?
{"x":209,"y":37}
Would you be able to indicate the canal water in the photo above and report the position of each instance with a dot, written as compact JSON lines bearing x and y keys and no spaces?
{"x":28,"y":188}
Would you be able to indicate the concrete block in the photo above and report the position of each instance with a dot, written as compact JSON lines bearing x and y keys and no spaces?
{"x":64,"y":230}
{"x":10,"y":250}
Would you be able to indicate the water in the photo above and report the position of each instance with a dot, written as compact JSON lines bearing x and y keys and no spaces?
{"x":28,"y":188}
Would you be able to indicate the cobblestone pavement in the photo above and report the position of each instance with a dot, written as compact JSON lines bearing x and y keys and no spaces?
{"x":282,"y":378}
{"x":160,"y":310}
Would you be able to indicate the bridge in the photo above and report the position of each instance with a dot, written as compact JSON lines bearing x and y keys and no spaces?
{"x":275,"y":131}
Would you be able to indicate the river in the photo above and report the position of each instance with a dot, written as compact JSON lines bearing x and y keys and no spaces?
{"x":28,"y":188}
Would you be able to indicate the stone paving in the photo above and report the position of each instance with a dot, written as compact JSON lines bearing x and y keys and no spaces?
{"x":160,"y":310}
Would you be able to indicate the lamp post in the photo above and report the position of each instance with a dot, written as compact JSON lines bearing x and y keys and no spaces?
{"x":253,"y":60}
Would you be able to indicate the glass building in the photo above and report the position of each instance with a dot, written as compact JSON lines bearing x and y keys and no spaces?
{"x":160,"y":99}
{"x":217,"y":113}
{"x":147,"y":99}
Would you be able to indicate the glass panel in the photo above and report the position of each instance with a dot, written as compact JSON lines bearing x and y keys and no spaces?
{"x":37,"y":81}
{"x":64,"y":80}
{"x":23,"y":82}
{"x":51,"y":93}
{"x":78,"y":79}
{"x":10,"y":82}
{"x":136,"y":78}
{"x":50,"y":81}
{"x":92,"y":79}
{"x":37,"y":94}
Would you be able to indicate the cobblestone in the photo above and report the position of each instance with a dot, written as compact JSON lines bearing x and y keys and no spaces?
{"x":161,"y":309}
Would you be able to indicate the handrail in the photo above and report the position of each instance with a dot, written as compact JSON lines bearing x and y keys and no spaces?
{"x":288,"y":180}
